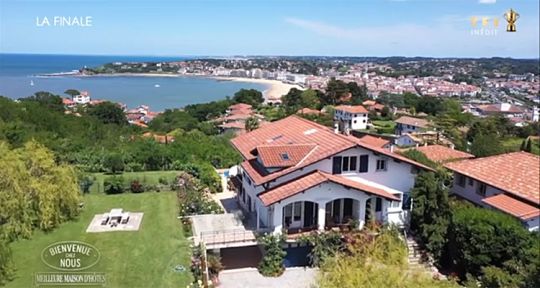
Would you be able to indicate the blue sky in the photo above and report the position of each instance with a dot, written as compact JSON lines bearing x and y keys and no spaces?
{"x":438,"y":28}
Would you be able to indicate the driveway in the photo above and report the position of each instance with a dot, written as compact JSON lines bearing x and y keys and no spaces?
{"x":249,"y":278}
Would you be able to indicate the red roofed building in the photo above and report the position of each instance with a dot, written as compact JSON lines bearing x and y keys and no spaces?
{"x":407,"y":124}
{"x":508,"y":182}
{"x":347,"y":117}
{"x":300,"y":175}
{"x":375,"y":141}
{"x":443,"y":154}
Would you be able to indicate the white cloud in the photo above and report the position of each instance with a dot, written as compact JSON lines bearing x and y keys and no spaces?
{"x":487,"y":1}
{"x":450,"y":35}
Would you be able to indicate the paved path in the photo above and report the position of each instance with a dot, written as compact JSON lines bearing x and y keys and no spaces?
{"x":249,"y":278}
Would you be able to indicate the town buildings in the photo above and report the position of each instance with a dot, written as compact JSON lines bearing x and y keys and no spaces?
{"x":508,"y":182}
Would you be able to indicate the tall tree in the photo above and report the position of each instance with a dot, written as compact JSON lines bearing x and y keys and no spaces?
{"x":249,"y":96}
{"x":72,"y":92}
{"x":431,"y":211}
{"x":108,"y":113}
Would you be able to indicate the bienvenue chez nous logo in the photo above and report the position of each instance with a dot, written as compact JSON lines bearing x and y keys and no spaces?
{"x":70,"y":257}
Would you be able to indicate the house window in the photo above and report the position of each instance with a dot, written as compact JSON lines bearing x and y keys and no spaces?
{"x":481,"y":189}
{"x":354,"y":121}
{"x":364,"y":160}
{"x":471,"y":181}
{"x":344,"y":164}
{"x":406,"y":202}
{"x":381,"y":164}
{"x":243,"y":194}
{"x":461,"y":180}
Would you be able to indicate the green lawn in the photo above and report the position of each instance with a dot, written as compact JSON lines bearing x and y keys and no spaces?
{"x":146,"y":177}
{"x":514,"y":144}
{"x":144,"y":258}
{"x":385,"y":123}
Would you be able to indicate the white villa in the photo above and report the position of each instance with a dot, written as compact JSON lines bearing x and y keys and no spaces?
{"x":82,"y":98}
{"x":299,"y":176}
{"x":348,"y":118}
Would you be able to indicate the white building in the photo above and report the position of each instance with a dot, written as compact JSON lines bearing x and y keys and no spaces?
{"x":348,"y":118}
{"x":298,"y":176}
{"x":82,"y":98}
{"x":508,"y":182}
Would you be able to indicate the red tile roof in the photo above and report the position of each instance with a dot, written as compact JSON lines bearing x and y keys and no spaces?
{"x":296,"y":130}
{"x":352,"y":109}
{"x":374,"y":141}
{"x":517,"y":173}
{"x":513,"y":206}
{"x":440,"y":154}
{"x":283,"y":155}
{"x":308,"y":111}
{"x":315,"y":178}
{"x":240,"y":106}
{"x":499,"y":108}
{"x":407,"y":120}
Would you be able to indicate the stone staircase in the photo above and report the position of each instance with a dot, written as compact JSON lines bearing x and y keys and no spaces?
{"x":419,"y":260}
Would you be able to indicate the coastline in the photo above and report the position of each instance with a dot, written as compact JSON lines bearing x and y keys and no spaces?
{"x":275,"y":89}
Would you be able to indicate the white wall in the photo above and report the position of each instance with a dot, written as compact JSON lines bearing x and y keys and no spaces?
{"x":397,"y":175}
{"x":469,"y":191}
{"x":358,"y":120}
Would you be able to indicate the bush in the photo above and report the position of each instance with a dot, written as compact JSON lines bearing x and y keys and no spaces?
{"x":6,"y":263}
{"x":191,"y":197}
{"x":136,"y":186}
{"x":271,"y":264}
{"x":479,"y":238}
{"x":114,"y":185}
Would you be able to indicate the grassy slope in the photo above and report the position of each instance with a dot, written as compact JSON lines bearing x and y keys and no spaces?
{"x":145,"y":258}
{"x":149,"y":178}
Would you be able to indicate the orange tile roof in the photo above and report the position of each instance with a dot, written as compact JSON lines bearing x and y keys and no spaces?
{"x":297,"y":130}
{"x":352,"y":109}
{"x":369,"y":103}
{"x":315,"y":178}
{"x":374,"y":141}
{"x":440,"y":154}
{"x":273,"y":155}
{"x":308,"y":111}
{"x":517,"y":173}
{"x":240,"y":106}
{"x":512,"y":206}
{"x":407,"y":120}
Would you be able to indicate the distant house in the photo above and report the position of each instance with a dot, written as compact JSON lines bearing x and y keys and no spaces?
{"x":82,"y":98}
{"x":236,"y":117}
{"x":373,"y":106}
{"x":408,"y":139}
{"x":347,"y":117}
{"x":407,"y":124}
{"x":443,"y":154}
{"x":308,"y":111}
{"x":508,"y":182}
{"x":68,"y":102}
{"x":506,"y":109}
{"x":422,"y":138}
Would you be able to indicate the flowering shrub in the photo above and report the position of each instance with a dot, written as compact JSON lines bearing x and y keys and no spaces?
{"x":192,"y":198}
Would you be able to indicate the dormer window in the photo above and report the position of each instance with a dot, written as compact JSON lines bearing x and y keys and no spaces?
{"x":285,"y":156}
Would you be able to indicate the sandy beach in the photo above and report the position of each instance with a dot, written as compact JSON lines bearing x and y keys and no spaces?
{"x":275,"y":88}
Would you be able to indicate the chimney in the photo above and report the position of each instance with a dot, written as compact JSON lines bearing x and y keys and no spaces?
{"x":391,"y":148}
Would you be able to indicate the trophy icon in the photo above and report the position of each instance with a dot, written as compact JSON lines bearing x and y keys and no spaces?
{"x":511,"y":17}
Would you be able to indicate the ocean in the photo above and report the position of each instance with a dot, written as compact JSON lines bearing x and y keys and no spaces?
{"x":18,"y":72}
